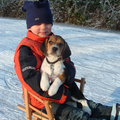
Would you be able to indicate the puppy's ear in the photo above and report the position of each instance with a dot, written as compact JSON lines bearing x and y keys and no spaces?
{"x":43,"y":47}
{"x":66,"y":52}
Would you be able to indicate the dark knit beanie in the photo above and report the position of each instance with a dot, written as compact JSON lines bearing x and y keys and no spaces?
{"x":37,"y":12}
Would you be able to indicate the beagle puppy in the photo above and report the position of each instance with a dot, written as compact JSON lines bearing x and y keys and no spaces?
{"x":56,"y":50}
{"x":54,"y":72}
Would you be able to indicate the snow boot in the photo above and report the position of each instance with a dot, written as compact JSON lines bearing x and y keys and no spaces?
{"x":115,"y":113}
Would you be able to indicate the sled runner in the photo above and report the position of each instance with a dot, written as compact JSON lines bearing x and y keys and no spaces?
{"x":34,"y":114}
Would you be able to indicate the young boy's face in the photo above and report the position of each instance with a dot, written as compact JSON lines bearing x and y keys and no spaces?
{"x":41,"y":30}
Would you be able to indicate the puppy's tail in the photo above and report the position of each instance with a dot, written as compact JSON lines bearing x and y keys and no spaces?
{"x":75,"y":92}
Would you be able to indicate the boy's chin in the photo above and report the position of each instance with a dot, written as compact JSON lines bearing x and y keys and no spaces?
{"x":43,"y":34}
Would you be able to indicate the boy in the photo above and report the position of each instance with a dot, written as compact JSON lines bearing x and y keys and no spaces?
{"x":28,"y":59}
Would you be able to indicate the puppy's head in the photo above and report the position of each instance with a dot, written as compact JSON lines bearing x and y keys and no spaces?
{"x":56,"y":46}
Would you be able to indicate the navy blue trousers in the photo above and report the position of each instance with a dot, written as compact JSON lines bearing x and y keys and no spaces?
{"x":66,"y":112}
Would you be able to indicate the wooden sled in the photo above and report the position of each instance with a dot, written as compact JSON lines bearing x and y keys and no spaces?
{"x":34,"y":114}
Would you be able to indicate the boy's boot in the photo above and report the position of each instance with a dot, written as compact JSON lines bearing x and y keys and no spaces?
{"x":115,"y":113}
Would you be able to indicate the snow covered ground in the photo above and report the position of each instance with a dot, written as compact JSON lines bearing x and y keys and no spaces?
{"x":96,"y":55}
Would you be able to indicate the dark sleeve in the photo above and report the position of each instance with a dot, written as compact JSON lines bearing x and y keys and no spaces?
{"x":28,"y":64}
{"x":32,"y":76}
{"x":71,"y":72}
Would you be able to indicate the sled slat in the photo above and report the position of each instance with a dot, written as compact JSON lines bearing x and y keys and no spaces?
{"x":21,"y":107}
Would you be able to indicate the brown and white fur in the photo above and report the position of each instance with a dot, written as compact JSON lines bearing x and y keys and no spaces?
{"x":56,"y":50}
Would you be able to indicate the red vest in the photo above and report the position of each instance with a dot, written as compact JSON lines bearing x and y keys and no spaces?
{"x":34,"y":42}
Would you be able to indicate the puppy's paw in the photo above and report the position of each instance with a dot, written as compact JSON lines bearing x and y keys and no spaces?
{"x":85,"y":106}
{"x":52,"y":91}
{"x":44,"y":83}
{"x":54,"y":87}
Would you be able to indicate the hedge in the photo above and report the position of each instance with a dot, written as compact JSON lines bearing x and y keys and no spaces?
{"x":93,"y":13}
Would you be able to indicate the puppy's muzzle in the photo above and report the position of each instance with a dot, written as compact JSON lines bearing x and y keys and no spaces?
{"x":54,"y":49}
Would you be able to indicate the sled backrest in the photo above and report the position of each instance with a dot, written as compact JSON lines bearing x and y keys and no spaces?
{"x":37,"y":114}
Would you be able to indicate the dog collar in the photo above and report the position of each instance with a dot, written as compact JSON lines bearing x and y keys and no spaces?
{"x":54,"y":61}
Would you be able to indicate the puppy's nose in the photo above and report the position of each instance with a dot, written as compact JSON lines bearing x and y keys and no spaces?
{"x":54,"y":49}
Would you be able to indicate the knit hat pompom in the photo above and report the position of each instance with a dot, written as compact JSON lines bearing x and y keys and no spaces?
{"x":37,"y":12}
{"x":37,"y":4}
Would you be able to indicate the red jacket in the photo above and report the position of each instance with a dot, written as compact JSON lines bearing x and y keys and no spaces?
{"x":33,"y":42}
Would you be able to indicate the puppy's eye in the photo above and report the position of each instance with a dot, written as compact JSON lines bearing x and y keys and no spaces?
{"x":50,"y":42}
{"x":60,"y":44}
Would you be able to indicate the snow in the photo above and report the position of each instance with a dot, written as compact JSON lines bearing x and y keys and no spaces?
{"x":95,"y":53}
